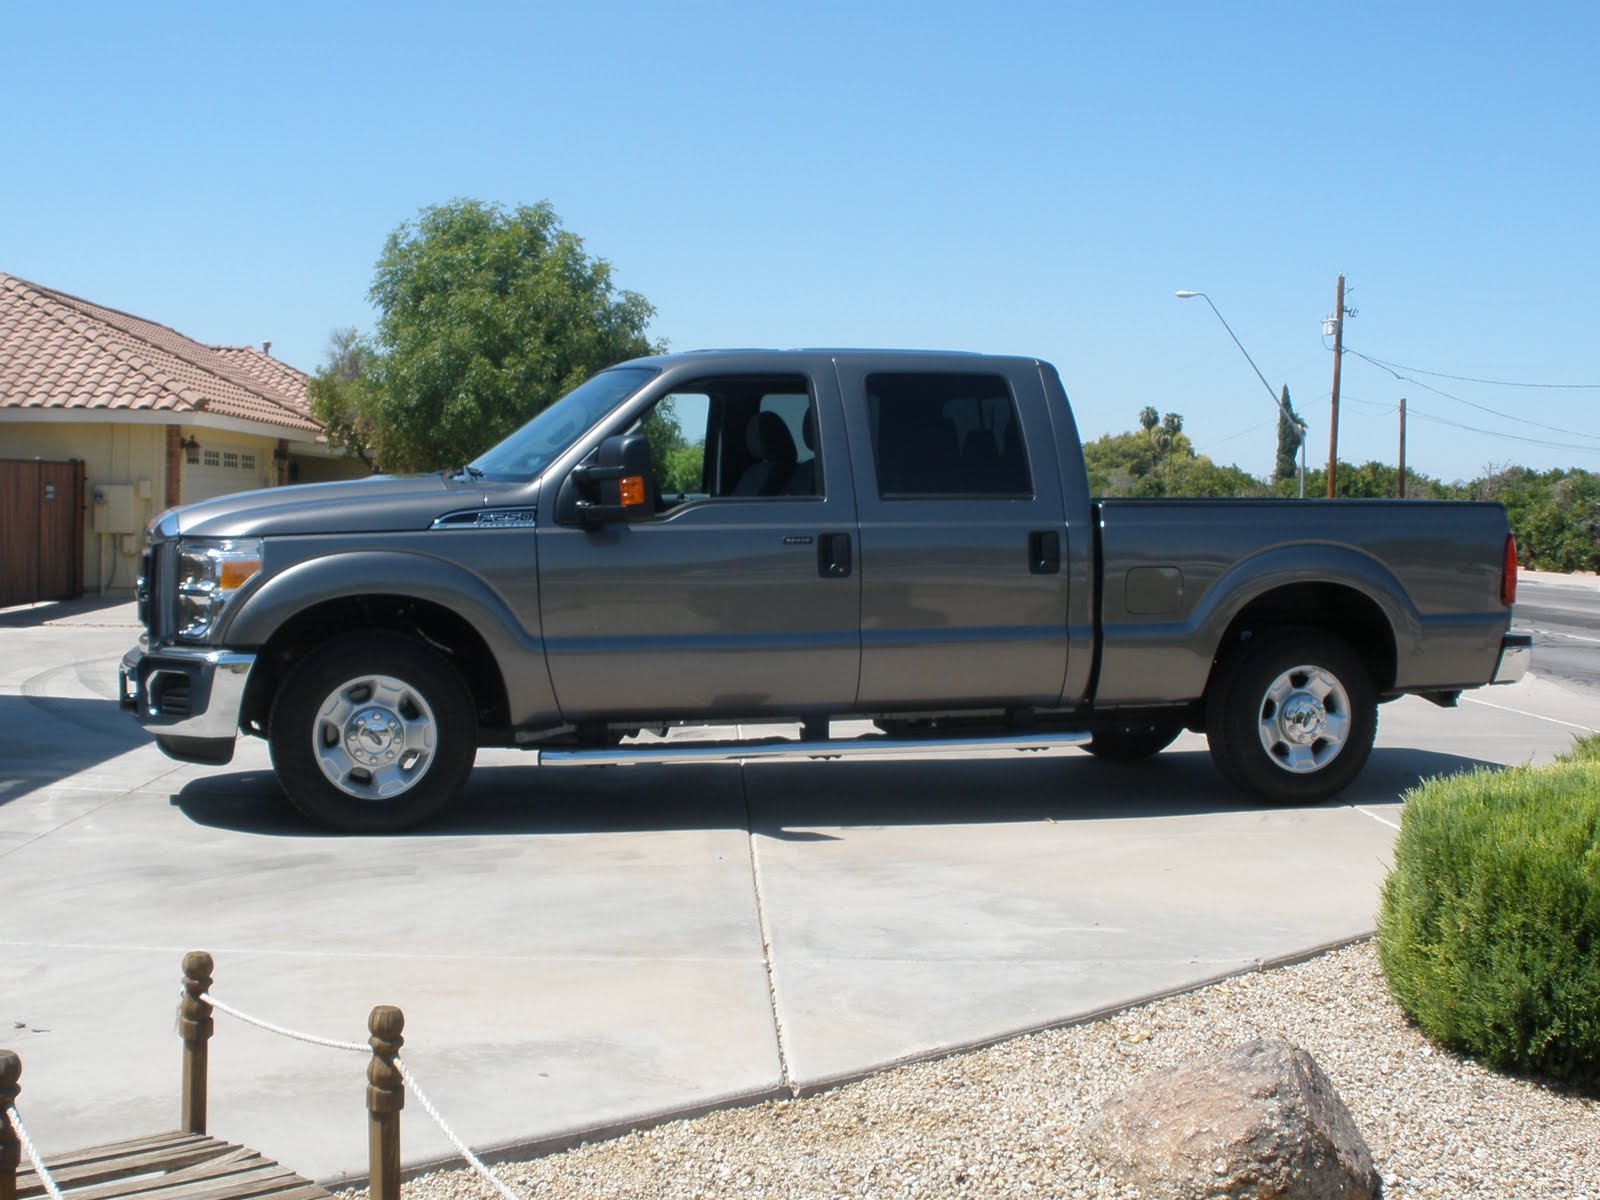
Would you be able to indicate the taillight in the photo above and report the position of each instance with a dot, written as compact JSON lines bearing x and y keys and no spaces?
{"x":1508,"y":573}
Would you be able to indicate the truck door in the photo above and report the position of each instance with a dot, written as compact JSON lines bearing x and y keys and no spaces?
{"x":741,"y":596}
{"x":964,"y":589}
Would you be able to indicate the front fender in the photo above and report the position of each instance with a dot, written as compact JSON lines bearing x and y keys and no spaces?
{"x":518,"y":651}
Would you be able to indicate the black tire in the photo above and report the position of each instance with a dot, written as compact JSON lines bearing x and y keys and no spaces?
{"x":415,"y":718}
{"x":1133,"y":741}
{"x":1291,"y":716}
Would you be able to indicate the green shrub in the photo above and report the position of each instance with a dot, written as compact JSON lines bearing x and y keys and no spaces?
{"x":1489,"y":923}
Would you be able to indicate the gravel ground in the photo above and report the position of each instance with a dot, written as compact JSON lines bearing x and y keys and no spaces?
{"x":1006,"y":1121}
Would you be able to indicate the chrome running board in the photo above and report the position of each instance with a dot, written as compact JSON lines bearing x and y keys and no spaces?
{"x":860,"y":749}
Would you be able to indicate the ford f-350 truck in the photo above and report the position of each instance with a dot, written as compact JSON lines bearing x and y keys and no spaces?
{"x":800,"y":536}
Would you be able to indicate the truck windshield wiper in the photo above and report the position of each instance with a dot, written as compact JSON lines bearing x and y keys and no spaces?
{"x":469,"y":470}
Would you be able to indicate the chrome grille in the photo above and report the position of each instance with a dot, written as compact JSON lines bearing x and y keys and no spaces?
{"x":147,"y":590}
{"x":144,"y":585}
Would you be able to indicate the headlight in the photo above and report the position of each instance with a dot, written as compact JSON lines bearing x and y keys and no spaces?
{"x":209,"y":573}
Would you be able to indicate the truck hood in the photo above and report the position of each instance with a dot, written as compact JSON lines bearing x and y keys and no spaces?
{"x":379,"y":504}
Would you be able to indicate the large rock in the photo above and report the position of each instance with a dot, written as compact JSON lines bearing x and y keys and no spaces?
{"x":1260,"y":1120}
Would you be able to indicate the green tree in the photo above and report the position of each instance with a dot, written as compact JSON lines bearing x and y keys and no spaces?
{"x":1372,"y":481}
{"x":677,"y":463}
{"x":1291,"y":432}
{"x":1117,"y":462}
{"x":1555,"y":515}
{"x":1159,"y":460}
{"x":486,"y":316}
{"x":1197,"y":475}
{"x":342,"y":392}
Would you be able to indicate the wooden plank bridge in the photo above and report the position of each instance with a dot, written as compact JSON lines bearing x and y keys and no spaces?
{"x":168,"y":1166}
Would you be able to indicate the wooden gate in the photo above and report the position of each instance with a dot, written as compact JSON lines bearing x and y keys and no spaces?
{"x":41,"y":531}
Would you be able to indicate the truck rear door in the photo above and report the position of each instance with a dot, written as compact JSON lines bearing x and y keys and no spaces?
{"x":958,"y":492}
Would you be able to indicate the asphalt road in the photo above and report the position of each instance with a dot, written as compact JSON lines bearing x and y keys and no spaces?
{"x":1563,"y":614}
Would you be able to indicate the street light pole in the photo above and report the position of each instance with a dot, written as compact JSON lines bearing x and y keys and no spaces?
{"x":1276,"y":399}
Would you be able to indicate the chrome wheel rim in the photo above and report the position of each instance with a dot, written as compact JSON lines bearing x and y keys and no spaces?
{"x":374,"y":737}
{"x":1304,"y":719}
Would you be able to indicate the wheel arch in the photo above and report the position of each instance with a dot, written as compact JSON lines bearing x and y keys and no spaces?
{"x":438,"y":600}
{"x":443,"y":629}
{"x":1341,"y":610}
{"x":1339,"y":590}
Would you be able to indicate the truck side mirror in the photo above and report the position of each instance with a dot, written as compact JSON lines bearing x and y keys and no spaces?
{"x":619,"y":485}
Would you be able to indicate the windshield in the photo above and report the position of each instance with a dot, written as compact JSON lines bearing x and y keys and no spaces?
{"x":535,"y":446}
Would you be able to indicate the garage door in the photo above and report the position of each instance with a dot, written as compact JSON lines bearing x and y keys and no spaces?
{"x":223,"y":469}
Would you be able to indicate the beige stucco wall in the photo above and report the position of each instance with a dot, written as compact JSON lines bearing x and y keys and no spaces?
{"x":111,"y":454}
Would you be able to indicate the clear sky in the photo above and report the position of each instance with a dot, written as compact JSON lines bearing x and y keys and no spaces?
{"x":1009,"y":177}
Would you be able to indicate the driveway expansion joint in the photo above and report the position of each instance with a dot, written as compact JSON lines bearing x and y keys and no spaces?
{"x":765,"y":933}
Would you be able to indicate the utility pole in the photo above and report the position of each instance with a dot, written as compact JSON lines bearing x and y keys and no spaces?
{"x":1402,"y":447}
{"x":1338,"y":357}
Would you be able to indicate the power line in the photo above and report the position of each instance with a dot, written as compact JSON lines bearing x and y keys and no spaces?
{"x":1387,"y":406}
{"x":1242,"y":432}
{"x":1474,"y":379}
{"x":1414,"y":411}
{"x":1494,"y":412}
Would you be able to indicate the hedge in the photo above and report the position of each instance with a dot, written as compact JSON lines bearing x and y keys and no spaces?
{"x":1489,"y":922}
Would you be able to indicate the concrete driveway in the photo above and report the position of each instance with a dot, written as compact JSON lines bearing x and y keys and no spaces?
{"x":579,"y":951}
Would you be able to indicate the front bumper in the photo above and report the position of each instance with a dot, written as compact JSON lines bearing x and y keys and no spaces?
{"x":185,"y":693}
{"x":1516,"y":653}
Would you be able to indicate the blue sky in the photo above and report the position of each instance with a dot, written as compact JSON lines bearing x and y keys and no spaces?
{"x":1013,"y":177}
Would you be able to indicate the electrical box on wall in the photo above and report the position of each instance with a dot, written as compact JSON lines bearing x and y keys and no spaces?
{"x":112,"y":507}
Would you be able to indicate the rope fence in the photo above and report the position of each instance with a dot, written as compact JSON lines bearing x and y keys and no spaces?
{"x":466,"y":1151}
{"x":387,"y":1082}
{"x":21,"y":1132}
{"x":330,"y":1043}
{"x":384,"y":1047}
{"x":401,"y":1069}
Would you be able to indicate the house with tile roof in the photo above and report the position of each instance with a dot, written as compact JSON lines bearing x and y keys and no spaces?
{"x":153,"y":417}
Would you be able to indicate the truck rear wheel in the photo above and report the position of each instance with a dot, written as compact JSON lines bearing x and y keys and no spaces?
{"x":371,"y":733}
{"x":1291,"y":716}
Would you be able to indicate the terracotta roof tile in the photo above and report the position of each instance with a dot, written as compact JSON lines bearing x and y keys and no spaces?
{"x":59,"y":351}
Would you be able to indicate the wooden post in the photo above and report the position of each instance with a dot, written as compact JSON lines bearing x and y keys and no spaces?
{"x":195,"y":1026}
{"x":1402,"y":447}
{"x":1338,"y":357}
{"x":10,"y":1144}
{"x":386,"y":1096}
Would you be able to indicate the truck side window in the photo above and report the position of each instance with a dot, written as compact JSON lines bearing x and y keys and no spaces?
{"x":799,"y":418}
{"x":946,"y":434}
{"x":676,"y":429}
{"x":740,"y":437}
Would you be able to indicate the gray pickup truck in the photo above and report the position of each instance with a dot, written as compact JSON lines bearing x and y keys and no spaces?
{"x":788,"y":539}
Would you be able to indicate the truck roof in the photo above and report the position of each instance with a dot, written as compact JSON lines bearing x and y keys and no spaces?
{"x":832,"y":352}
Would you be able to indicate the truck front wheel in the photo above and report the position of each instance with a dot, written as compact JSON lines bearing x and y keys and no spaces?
{"x":1291,"y":716}
{"x":372,"y":732}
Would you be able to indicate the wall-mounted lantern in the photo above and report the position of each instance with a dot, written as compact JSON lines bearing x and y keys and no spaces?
{"x":191,"y":450}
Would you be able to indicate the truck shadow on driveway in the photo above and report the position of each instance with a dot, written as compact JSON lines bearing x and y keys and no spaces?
{"x":115,"y":609}
{"x":45,"y":739}
{"x":803,"y":801}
